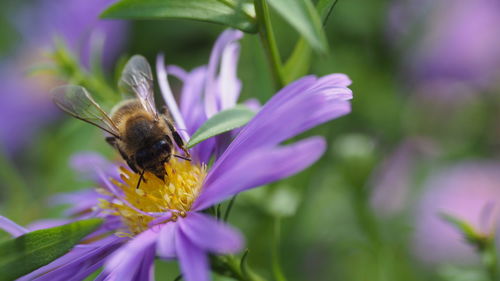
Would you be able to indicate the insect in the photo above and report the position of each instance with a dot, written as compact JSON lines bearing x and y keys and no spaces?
{"x":144,"y":137}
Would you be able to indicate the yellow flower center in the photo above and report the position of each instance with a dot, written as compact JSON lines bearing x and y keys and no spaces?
{"x":175,"y":193}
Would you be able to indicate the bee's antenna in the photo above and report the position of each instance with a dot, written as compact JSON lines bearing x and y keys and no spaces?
{"x":182,"y":157}
{"x":140,"y":179}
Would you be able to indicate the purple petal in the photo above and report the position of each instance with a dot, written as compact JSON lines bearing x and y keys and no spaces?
{"x":295,"y":109}
{"x":89,"y":163}
{"x":90,"y":267}
{"x":287,"y":93}
{"x":191,"y":102}
{"x":337,"y":92}
{"x":11,"y":227}
{"x":260,"y":167}
{"x":124,"y":264}
{"x":146,"y":270}
{"x":334,"y":80}
{"x":253,"y":104}
{"x":165,"y":248}
{"x":212,"y":101}
{"x":222,"y":141}
{"x":229,"y":84}
{"x":168,"y":96}
{"x":278,"y":122}
{"x":291,"y":90}
{"x":111,"y":224}
{"x":210,"y":234}
{"x":204,"y":150}
{"x":193,"y":111}
{"x":177,"y":71}
{"x":81,"y":201}
{"x":193,"y":260}
{"x":76,"y":196}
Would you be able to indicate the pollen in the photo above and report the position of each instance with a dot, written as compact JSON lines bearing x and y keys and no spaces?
{"x":175,"y":193}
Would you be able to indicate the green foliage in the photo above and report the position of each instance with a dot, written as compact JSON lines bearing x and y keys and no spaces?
{"x":234,"y":13}
{"x":469,"y":233}
{"x":21,"y":255}
{"x":454,"y":273}
{"x":302,"y":15}
{"x":222,"y":122}
{"x":483,"y":243}
{"x":68,"y":67}
{"x":298,"y":63}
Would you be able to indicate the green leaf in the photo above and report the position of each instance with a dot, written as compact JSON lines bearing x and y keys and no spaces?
{"x":466,"y":229}
{"x":22,"y":255}
{"x":222,"y":122}
{"x":302,"y":15}
{"x":239,"y":14}
{"x":324,"y":8}
{"x":298,"y":63}
{"x":244,"y":264}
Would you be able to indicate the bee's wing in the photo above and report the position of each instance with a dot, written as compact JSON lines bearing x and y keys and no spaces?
{"x":137,"y":79}
{"x":77,"y":102}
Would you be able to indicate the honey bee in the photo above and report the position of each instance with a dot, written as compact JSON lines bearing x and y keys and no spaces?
{"x":144,"y":137}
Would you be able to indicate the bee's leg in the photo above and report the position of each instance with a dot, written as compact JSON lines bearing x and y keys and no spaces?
{"x":164,"y":174}
{"x":181,"y":157}
{"x":140,"y":179}
{"x":178,"y":140}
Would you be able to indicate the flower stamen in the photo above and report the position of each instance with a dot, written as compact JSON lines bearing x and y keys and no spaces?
{"x":175,"y":194}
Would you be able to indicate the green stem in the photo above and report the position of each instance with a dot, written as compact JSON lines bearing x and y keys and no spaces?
{"x":365,"y":218}
{"x":490,"y":259}
{"x":229,"y":208}
{"x":269,"y":42}
{"x":368,"y":225}
{"x":277,"y":271}
{"x":235,"y":268}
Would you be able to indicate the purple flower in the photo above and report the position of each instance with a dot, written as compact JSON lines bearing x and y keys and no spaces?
{"x":458,"y":42}
{"x":469,"y":191}
{"x":75,"y":21}
{"x":25,"y":101}
{"x":206,"y":91}
{"x":166,"y":218}
{"x":22,"y":110}
{"x":392,"y":180}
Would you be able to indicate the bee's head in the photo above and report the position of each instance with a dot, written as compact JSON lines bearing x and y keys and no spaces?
{"x":155,"y":154}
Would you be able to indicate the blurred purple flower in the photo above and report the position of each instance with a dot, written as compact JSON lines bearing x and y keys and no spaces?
{"x":392,"y":181}
{"x":165,"y":218}
{"x":22,"y":110}
{"x":76,"y":21}
{"x":25,"y":101}
{"x":469,"y":191}
{"x":458,"y":40}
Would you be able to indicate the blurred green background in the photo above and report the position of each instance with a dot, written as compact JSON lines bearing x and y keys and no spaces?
{"x":424,"y":112}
